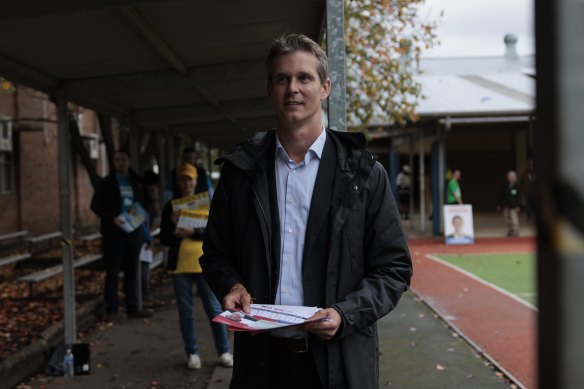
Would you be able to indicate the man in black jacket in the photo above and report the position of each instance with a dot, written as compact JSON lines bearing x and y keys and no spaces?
{"x":510,"y":202}
{"x":116,"y":193}
{"x":305,"y":216}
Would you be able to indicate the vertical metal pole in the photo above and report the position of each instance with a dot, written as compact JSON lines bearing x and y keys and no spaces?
{"x":393,"y":170}
{"x":411,"y":162}
{"x":441,"y":181}
{"x":335,"y":47}
{"x":560,"y":192}
{"x":163,"y":169}
{"x":134,"y":148}
{"x":422,"y":185}
{"x":436,"y":189}
{"x":134,"y":142}
{"x":66,"y":222}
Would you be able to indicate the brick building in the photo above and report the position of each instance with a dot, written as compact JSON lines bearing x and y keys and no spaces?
{"x":29,"y":176}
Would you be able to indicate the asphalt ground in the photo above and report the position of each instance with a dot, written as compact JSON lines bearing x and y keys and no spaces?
{"x":417,"y":350}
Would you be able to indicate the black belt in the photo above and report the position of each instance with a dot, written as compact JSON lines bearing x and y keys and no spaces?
{"x":291,"y":345}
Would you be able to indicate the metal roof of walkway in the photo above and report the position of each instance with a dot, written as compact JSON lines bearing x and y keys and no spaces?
{"x":183,"y":66}
{"x":187,"y":66}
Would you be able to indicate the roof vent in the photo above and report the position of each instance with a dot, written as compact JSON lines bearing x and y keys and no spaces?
{"x":510,"y":46}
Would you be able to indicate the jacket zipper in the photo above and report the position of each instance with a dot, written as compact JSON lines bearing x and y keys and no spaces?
{"x":263,"y":225}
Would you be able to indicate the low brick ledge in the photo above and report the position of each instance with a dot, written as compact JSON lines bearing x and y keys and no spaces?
{"x":21,"y":365}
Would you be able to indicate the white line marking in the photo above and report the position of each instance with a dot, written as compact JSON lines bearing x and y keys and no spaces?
{"x":480,"y":280}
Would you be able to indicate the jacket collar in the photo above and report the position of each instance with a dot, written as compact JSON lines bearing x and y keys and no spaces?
{"x":245,"y":155}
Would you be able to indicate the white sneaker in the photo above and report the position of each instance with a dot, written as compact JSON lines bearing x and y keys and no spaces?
{"x":226,"y":360}
{"x":194,"y":362}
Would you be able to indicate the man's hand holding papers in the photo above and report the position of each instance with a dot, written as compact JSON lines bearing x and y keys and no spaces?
{"x":265,"y":317}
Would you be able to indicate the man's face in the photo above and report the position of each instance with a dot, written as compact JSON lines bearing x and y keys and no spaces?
{"x":121,"y":163}
{"x":457,"y":174}
{"x":457,"y":223}
{"x":511,"y":178}
{"x":186,"y":185}
{"x":295,"y":89}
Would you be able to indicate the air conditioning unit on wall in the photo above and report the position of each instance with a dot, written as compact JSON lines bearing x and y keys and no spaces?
{"x":5,"y":136}
{"x":91,"y":143}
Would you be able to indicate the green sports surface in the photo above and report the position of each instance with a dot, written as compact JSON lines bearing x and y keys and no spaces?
{"x":513,"y":272}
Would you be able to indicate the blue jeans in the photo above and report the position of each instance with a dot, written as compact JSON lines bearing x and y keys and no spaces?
{"x":183,"y":291}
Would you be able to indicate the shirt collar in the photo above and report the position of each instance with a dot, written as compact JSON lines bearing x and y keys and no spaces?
{"x":316,"y":147}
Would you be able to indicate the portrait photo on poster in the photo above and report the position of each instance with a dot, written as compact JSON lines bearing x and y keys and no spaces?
{"x":458,"y":224}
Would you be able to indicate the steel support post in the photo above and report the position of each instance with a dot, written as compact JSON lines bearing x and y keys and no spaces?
{"x":559,"y":163}
{"x":438,"y":168}
{"x":411,"y":162}
{"x":66,"y":222}
{"x":422,"y":185}
{"x":394,"y":168}
{"x":335,"y":45}
{"x":134,"y":144}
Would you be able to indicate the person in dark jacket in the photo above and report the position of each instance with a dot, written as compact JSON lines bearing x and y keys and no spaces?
{"x":185,"y":248}
{"x":305,"y":216}
{"x":510,"y":202}
{"x":116,"y":193}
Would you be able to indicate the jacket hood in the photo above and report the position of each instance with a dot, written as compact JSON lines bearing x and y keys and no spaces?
{"x":245,"y":154}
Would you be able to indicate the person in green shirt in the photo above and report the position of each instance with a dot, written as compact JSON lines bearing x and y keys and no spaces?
{"x":453,"y":193}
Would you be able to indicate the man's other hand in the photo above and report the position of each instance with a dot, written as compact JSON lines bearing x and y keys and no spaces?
{"x":325,"y":330}
{"x":238,"y":297}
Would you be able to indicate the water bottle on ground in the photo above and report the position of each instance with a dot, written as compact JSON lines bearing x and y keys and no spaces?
{"x":69,"y":364}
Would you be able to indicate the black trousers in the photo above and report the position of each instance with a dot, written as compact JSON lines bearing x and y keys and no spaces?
{"x":292,"y":370}
{"x":121,"y":254}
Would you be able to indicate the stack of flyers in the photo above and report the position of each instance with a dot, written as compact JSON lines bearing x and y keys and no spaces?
{"x":266,"y":317}
{"x":133,"y":217}
{"x":197,"y":201}
{"x":192,"y":219}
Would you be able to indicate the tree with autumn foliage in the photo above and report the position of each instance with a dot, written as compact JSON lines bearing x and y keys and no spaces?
{"x":383,"y":43}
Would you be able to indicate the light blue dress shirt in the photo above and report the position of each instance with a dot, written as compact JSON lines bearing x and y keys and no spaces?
{"x":294,"y":184}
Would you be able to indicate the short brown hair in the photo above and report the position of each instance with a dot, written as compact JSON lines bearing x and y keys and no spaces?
{"x":289,"y":43}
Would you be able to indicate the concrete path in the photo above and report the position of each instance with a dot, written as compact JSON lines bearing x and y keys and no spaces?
{"x":142,"y":353}
{"x":417,"y":350}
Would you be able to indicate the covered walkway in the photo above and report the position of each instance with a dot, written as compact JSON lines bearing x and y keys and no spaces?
{"x":417,"y":350}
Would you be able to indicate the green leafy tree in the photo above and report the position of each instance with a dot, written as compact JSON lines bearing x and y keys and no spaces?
{"x":383,"y":43}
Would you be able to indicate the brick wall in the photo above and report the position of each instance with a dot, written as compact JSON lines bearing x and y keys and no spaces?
{"x":10,"y":221}
{"x":34,"y":205}
{"x":82,"y":185}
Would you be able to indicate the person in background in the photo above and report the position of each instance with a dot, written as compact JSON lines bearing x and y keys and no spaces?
{"x":404,"y":183}
{"x":185,"y":248}
{"x":453,"y":192}
{"x":510,"y":202}
{"x":305,"y":216}
{"x":189,"y":155}
{"x":116,"y":193}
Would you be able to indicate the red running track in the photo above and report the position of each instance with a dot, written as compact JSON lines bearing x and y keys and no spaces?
{"x":503,"y":328}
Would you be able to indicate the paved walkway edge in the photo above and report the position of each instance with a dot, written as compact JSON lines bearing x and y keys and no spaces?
{"x":221,"y":378}
{"x":459,"y":332}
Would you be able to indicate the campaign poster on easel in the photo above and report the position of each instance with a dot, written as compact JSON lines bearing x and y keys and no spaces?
{"x":458,"y":224}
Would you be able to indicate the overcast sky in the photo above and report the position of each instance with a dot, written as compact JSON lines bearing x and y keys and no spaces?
{"x":477,"y":27}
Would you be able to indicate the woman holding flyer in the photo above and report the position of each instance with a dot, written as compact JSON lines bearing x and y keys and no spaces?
{"x":183,"y":234}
